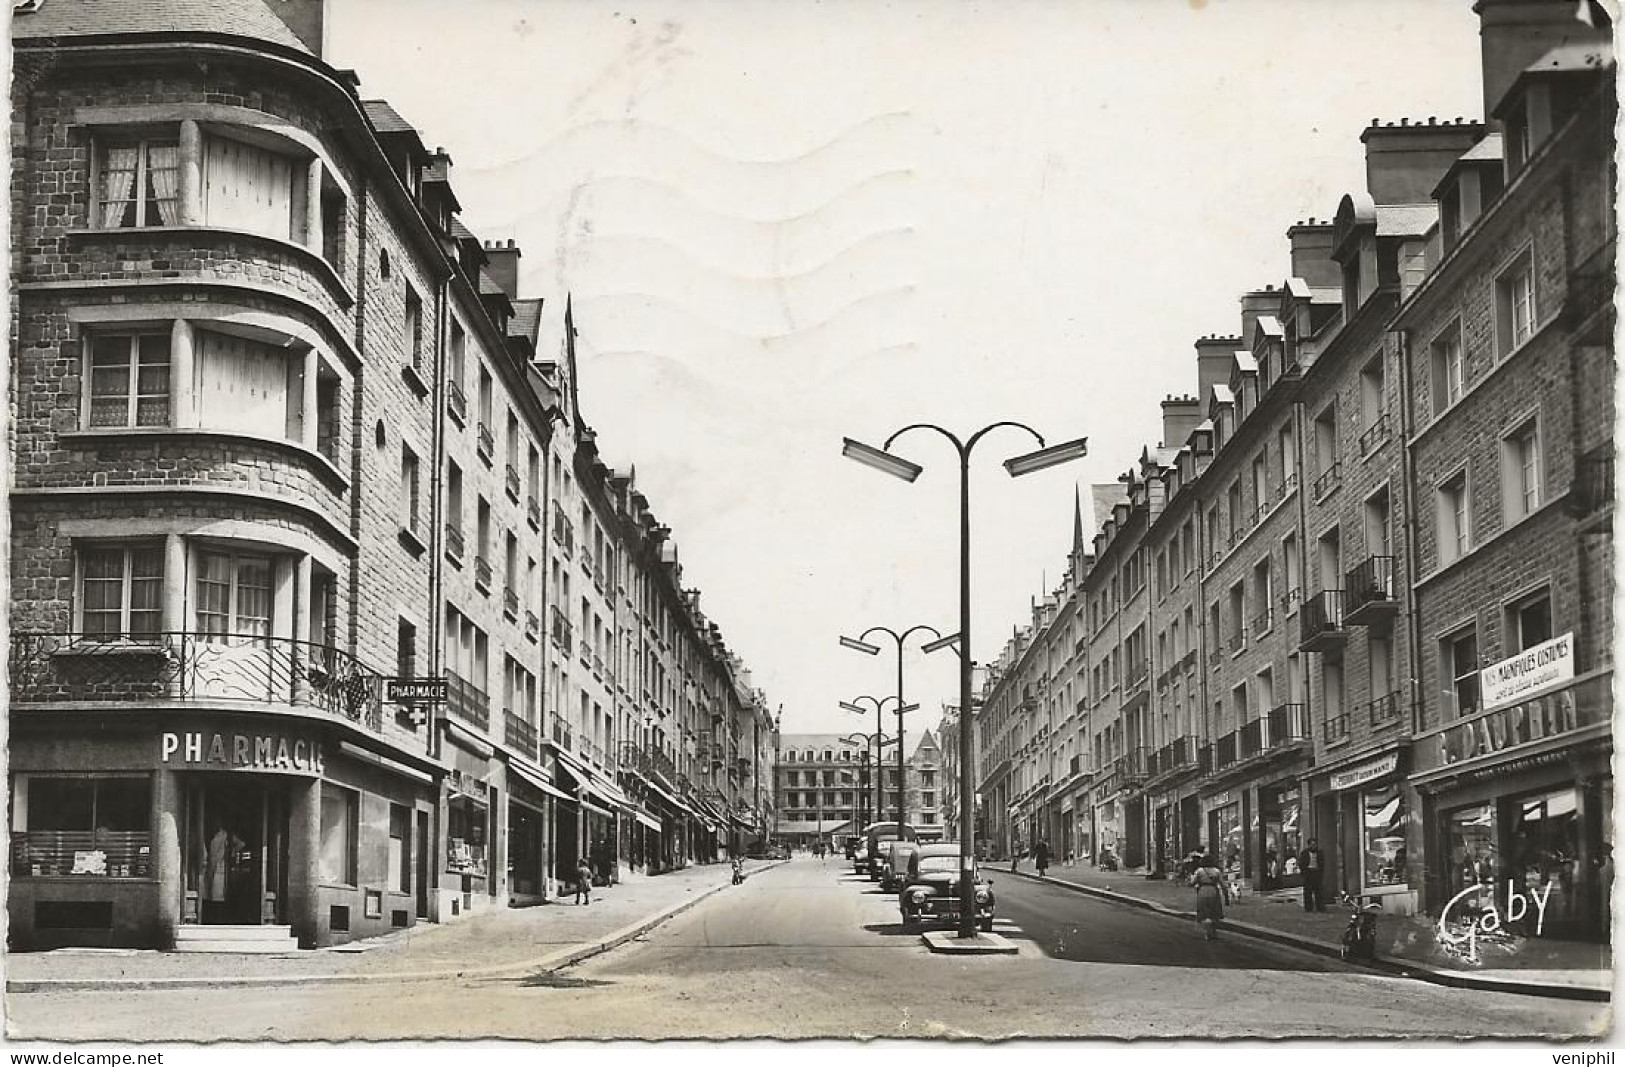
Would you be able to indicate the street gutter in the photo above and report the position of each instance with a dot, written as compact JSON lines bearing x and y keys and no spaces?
{"x":1382,"y":964}
{"x":553,"y":961}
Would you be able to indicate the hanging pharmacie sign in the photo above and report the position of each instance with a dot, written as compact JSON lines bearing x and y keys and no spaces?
{"x":202,"y":750}
{"x":1516,"y":677}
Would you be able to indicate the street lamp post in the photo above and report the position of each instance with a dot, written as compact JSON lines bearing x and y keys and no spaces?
{"x":883,"y":460}
{"x":861,"y":644}
{"x":861,"y":796}
{"x":880,"y":704}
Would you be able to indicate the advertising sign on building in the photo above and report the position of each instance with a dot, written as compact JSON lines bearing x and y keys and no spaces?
{"x":415,"y":690}
{"x":1366,"y":772}
{"x":1516,"y":677}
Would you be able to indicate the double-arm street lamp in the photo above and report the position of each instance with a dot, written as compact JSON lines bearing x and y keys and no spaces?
{"x":861,"y":644}
{"x":879,"y":735}
{"x":861,"y":804}
{"x":882,"y":459}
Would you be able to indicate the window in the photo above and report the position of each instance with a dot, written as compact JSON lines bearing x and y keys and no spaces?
{"x":1529,"y":622}
{"x":1458,"y":662}
{"x":1520,"y":471}
{"x":129,"y":380}
{"x":246,"y":187}
{"x":414,"y":327}
{"x":1371,"y":393}
{"x":1234,"y":501}
{"x":1326,"y":439}
{"x":121,"y":590}
{"x":456,"y":355}
{"x":1351,"y":286}
{"x":1288,"y":458}
{"x":1291,"y":568}
{"x":1454,"y":519}
{"x":400,"y":853}
{"x":409,"y":489}
{"x":454,"y":509}
{"x":1448,"y":375}
{"x":406,"y":649}
{"x":233,"y":595}
{"x":338,"y":835}
{"x":85,"y":827}
{"x":1378,"y":536}
{"x":485,"y":398}
{"x":1261,"y":490}
{"x":137,"y":184}
{"x":1384,"y":824}
{"x":250,"y":386}
{"x":1515,"y":305}
{"x":1380,"y":660}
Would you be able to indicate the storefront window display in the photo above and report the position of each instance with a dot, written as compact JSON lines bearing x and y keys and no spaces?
{"x":83,"y":827}
{"x":465,"y":836}
{"x":1383,"y":825}
{"x":1545,"y":851}
{"x":1227,"y":836}
{"x":1470,"y":847}
{"x":1282,"y":837}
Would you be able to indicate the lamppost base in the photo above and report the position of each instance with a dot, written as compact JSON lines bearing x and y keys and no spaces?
{"x":950,"y":943}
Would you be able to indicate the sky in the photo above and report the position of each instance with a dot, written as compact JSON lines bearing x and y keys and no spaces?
{"x":784,"y":223}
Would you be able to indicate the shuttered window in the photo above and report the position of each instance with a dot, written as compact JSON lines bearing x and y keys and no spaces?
{"x":249,"y":188}
{"x":249,"y":386}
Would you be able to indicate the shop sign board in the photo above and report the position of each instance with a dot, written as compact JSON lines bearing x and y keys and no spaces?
{"x":416,"y":691}
{"x":1216,"y":801}
{"x":1534,"y":719}
{"x":202,"y":750}
{"x":1366,"y":772}
{"x":1516,"y":677}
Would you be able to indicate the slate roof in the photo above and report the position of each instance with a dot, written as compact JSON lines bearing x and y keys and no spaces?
{"x":1406,"y":220}
{"x":86,"y":18}
{"x":386,"y":119}
{"x":527,"y":318}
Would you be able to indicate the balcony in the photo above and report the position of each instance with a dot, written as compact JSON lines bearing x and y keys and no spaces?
{"x":457,"y":403}
{"x":1369,"y":592}
{"x":533,"y":513}
{"x":454,"y":542}
{"x":519,"y":735}
{"x":597,"y":665}
{"x":482,"y":574}
{"x":1288,"y":725}
{"x":218,"y":669}
{"x":1337,"y":728}
{"x":561,"y":633}
{"x":510,"y":604}
{"x":1215,"y":655}
{"x":513,"y":483}
{"x":1132,"y":767}
{"x":1373,"y":436}
{"x":1321,"y":622}
{"x":1262,"y":622}
{"x":468,"y":703}
{"x":1384,"y":710}
{"x":1224,"y":752}
{"x":533,"y":626}
{"x":563,"y":533}
{"x":485,"y":444}
{"x":1252,"y":739}
{"x":1236,"y":640}
{"x":563,"y":733}
{"x":1592,"y":492}
{"x":1329,"y":479}
{"x":1137,"y":676}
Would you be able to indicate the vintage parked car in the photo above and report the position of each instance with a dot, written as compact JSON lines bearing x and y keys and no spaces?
{"x":930,"y":892}
{"x":876,"y":836}
{"x":894,"y":867}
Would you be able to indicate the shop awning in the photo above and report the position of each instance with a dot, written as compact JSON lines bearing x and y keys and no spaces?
{"x":597,"y":809}
{"x":650,"y":822}
{"x":534,"y":778}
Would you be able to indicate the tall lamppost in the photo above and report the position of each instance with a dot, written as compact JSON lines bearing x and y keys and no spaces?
{"x":883,"y":460}
{"x":858,"y":709}
{"x":861,"y":644}
{"x":861,"y":794}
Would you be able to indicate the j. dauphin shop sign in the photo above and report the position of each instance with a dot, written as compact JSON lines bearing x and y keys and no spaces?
{"x":250,"y":752}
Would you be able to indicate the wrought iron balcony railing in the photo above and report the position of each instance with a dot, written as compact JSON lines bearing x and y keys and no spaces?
{"x":1329,"y":479}
{"x":54,"y":668}
{"x":519,"y":734}
{"x":486,"y":445}
{"x":1368,"y":589}
{"x":467,"y":702}
{"x":533,"y":512}
{"x":1384,"y":709}
{"x":1337,"y":728}
{"x":454,"y":541}
{"x":510,"y":603}
{"x":456,"y":402}
{"x":1321,"y":620}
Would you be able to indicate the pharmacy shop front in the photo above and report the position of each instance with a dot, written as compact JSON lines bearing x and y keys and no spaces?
{"x":129,"y":835}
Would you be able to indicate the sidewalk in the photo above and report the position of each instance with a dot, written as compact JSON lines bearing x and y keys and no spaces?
{"x":509,"y":939}
{"x":1406,"y":944}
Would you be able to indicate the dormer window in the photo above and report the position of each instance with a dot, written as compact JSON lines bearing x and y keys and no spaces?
{"x":1450,"y":222}
{"x":1351,"y":285}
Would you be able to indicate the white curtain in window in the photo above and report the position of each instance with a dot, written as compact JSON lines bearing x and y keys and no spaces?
{"x":118,"y":181}
{"x":248,"y":188}
{"x":242,"y":385}
{"x":162,"y":174}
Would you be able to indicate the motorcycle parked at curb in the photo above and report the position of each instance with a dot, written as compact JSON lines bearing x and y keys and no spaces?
{"x":1359,"y":940}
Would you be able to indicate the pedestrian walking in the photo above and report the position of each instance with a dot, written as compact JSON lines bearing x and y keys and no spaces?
{"x":1313,"y":867}
{"x":583,"y":881}
{"x":1212,"y":894}
{"x":1041,"y":857}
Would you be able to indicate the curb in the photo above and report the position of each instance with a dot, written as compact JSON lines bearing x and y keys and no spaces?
{"x":553,"y":961}
{"x":1382,"y":964}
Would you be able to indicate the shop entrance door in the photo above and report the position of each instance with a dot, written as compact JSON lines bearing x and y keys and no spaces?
{"x":235,"y":850}
{"x":422,"y":854}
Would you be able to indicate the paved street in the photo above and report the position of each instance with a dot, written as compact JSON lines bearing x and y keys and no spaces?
{"x":809,"y":950}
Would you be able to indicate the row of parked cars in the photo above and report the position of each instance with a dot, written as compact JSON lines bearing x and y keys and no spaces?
{"x":924,"y":875}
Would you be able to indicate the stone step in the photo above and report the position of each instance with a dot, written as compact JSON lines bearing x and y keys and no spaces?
{"x":247,"y":946}
{"x":233,"y":933}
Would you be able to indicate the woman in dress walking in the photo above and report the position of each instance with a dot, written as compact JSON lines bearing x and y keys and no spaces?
{"x":1211,"y":894}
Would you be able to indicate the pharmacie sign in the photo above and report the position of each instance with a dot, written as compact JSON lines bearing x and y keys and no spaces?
{"x":202,"y":750}
{"x":1516,"y":677}
{"x":416,"y":691}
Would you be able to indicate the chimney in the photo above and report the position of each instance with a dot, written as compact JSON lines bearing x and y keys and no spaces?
{"x":1515,"y":33}
{"x":1311,"y":243}
{"x":502,"y":264}
{"x":307,"y":19}
{"x":1405,"y":160}
{"x":1265,"y":301}
{"x":1215,"y":355}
